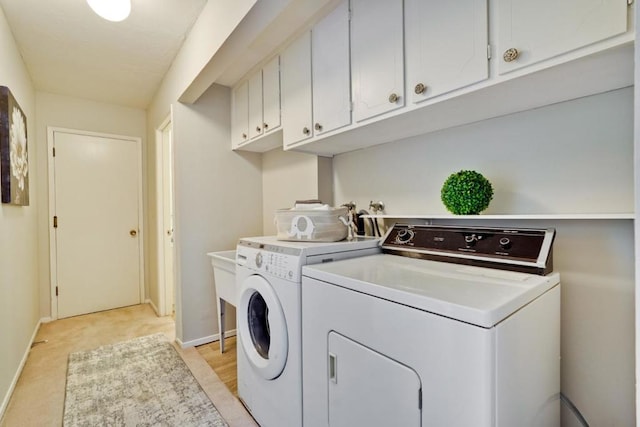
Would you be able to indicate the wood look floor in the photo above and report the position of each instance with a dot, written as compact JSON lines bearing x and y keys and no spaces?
{"x":224,"y":364}
{"x":38,"y":398}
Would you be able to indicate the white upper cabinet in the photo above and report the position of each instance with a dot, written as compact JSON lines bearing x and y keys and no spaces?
{"x":446,"y":44}
{"x":255,"y":105}
{"x":264,"y":99}
{"x":240,"y":115}
{"x":532,"y":31}
{"x":271,"y":95}
{"x":377,"y":57}
{"x":296,"y":91}
{"x":255,"y":111}
{"x":330,"y":71}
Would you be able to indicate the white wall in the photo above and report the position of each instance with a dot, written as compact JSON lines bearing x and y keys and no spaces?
{"x":19,"y":313}
{"x":573,"y":157}
{"x":74,"y":113}
{"x":637,"y":204}
{"x":288,"y":176}
{"x":218,"y":197}
{"x":196,"y":313}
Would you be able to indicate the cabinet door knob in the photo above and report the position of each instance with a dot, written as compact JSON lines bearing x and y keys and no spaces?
{"x":393,"y":98}
{"x":258,"y":128}
{"x":306,"y":130}
{"x":244,"y":136}
{"x":510,"y":54}
{"x":420,"y":88}
{"x":265,"y":126}
{"x":318,"y":126}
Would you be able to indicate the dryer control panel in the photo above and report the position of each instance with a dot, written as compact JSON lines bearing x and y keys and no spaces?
{"x":516,"y":249}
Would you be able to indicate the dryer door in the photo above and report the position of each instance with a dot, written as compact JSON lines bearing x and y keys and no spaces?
{"x":263,"y":328}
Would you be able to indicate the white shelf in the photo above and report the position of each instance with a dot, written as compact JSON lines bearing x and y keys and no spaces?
{"x":577,"y":216}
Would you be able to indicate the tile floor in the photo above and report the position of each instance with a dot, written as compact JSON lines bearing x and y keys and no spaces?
{"x":38,"y":399}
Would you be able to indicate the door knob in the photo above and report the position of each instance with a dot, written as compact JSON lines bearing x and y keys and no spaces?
{"x":133,"y":233}
{"x":393,"y":98}
{"x":420,"y":88}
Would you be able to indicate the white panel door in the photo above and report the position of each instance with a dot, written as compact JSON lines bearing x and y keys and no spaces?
{"x":446,"y":46}
{"x":542,"y":29}
{"x":98,"y":236}
{"x":377,"y":57}
{"x":369,"y":389}
{"x":240,"y":115}
{"x":296,"y":91}
{"x":331,"y":71}
{"x":271,"y":95}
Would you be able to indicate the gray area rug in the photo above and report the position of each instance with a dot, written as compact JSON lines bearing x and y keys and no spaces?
{"x":141,"y":382}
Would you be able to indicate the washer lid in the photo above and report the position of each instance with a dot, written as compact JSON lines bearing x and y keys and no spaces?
{"x":476,"y":295}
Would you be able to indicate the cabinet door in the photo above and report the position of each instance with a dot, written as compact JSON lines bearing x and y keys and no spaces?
{"x":296,"y":91}
{"x":255,"y":105}
{"x":240,"y":115}
{"x":446,"y":46}
{"x":271,"y":95}
{"x":377,"y":57}
{"x":330,"y":68}
{"x":542,"y":29}
{"x":367,"y":388}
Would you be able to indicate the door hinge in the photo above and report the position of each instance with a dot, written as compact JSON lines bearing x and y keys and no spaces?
{"x":56,"y":291}
{"x":420,"y":399}
{"x":55,"y":222}
{"x":54,"y":151}
{"x":488,"y":51}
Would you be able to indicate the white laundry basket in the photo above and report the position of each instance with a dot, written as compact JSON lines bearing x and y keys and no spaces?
{"x":313,"y":225}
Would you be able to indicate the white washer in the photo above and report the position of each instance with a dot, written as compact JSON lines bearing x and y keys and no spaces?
{"x":401,"y":340}
{"x":268,"y":276}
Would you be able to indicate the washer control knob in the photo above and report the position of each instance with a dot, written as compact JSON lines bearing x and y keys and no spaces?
{"x":505,"y":243}
{"x":259,"y":259}
{"x":404,"y":236}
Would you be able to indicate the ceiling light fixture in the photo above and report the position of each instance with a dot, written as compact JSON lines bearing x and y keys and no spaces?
{"x":111,"y":10}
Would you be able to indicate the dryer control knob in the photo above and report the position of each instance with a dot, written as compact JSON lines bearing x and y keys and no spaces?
{"x":470,"y":240}
{"x":505,"y":243}
{"x":259,"y":259}
{"x":404,"y":236}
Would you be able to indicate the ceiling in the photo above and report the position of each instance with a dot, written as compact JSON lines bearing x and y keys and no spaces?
{"x":69,"y":50}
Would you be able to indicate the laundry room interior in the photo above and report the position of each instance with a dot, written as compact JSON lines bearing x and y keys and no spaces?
{"x":557,"y":141}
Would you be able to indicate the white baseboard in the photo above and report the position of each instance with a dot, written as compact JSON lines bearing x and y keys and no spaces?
{"x":148,"y":301}
{"x":205,"y":340}
{"x":7,"y":397}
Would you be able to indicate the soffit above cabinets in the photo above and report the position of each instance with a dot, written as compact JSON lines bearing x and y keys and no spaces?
{"x":269,"y":25}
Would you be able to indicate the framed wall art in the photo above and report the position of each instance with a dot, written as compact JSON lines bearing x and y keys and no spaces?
{"x":14,"y":159}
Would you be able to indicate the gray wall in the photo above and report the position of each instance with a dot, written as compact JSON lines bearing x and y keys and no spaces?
{"x":18,"y":233}
{"x":573,"y":157}
{"x":218,"y":199}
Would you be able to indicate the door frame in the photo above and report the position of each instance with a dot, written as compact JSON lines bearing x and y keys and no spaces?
{"x":53,"y":253}
{"x":163,"y":289}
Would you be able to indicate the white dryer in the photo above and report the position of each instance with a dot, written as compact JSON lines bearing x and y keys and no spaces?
{"x":402,"y":338}
{"x":268,"y":276}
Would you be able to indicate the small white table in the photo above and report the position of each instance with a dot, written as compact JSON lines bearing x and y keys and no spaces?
{"x":224,"y":272}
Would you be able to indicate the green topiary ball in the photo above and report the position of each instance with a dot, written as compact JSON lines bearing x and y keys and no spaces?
{"x":466,"y":193}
